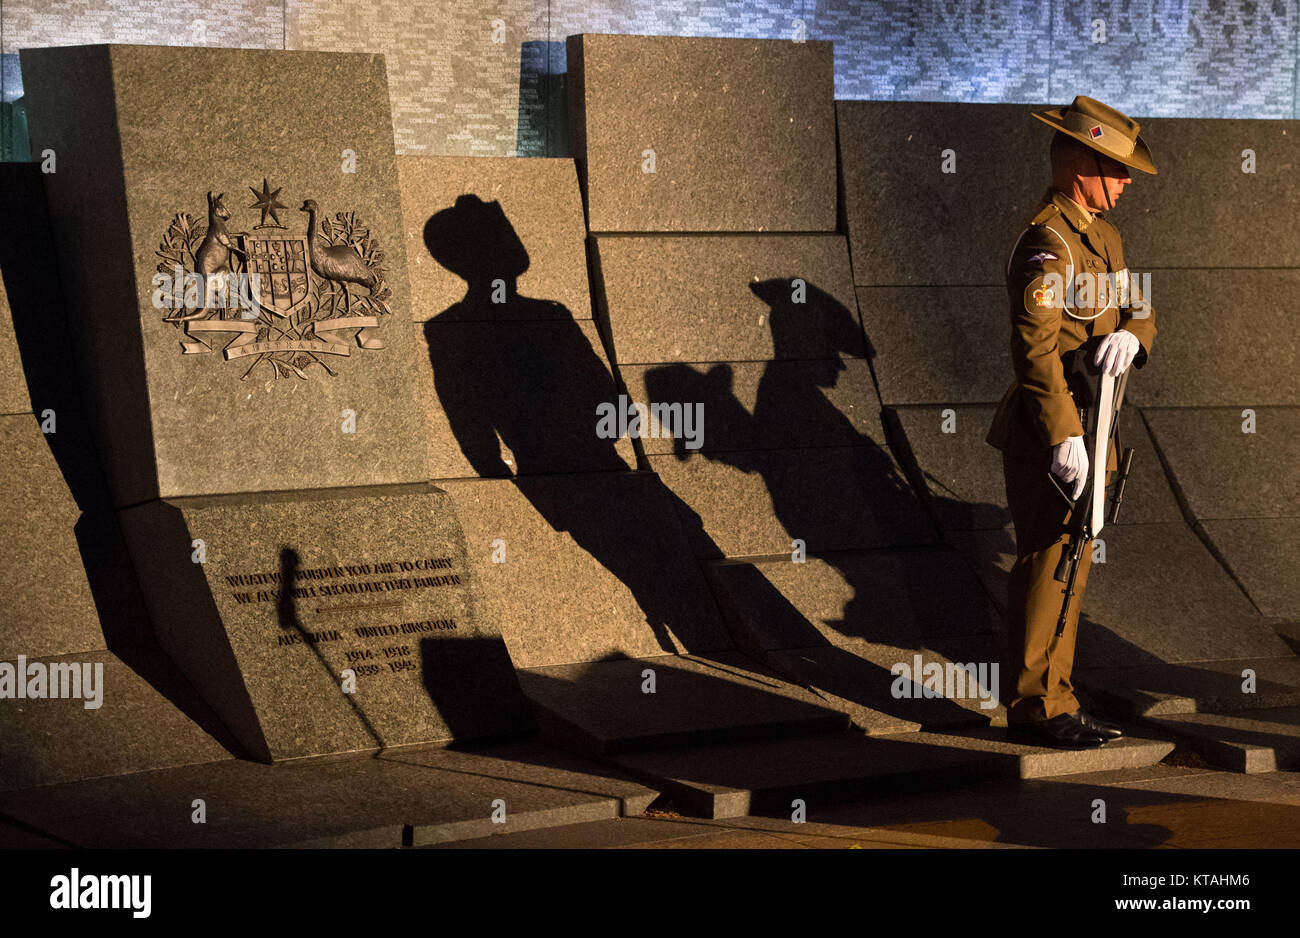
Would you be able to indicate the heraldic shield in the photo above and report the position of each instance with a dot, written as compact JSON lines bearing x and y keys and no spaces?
{"x":278,"y":267}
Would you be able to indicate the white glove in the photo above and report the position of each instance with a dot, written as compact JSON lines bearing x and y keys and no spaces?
{"x":1070,"y":464}
{"x":1116,"y":352}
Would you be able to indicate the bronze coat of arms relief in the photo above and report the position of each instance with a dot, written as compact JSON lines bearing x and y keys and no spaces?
{"x":290,"y":299}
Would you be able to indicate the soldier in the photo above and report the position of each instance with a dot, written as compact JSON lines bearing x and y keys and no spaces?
{"x":1067,"y":282}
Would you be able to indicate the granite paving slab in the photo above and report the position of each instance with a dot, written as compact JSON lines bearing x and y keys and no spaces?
{"x":147,"y":717}
{"x":1242,"y":740}
{"x":412,"y":796}
{"x":1162,"y":689}
{"x":604,"y":707}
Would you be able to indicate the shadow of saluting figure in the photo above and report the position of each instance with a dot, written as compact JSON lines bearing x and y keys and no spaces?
{"x":895,"y":599}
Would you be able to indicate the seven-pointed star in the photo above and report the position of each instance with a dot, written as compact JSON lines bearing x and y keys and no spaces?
{"x":267,"y":202}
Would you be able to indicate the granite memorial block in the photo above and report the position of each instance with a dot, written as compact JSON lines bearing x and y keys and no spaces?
{"x":703,"y":134}
{"x":326,"y":621}
{"x":250,"y":365}
{"x":230,"y":239}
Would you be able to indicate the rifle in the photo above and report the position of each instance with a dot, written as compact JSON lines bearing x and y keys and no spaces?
{"x":1099,"y":397}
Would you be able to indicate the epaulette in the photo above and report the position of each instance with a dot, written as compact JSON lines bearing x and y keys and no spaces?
{"x":1049,"y":211}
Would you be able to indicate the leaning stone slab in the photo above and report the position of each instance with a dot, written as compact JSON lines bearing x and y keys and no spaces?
{"x":49,"y":604}
{"x":938,"y":345}
{"x":761,"y":502}
{"x":1212,"y":360}
{"x":180,"y":166}
{"x":1261,"y":553}
{"x":585,"y":567}
{"x":518,"y":398}
{"x":321,"y":622}
{"x":521,"y":217}
{"x":134,"y":723}
{"x":740,"y":132}
{"x":747,"y":405}
{"x":935,"y":227}
{"x":963,"y":475}
{"x":727,"y":297}
{"x":1160,"y":597}
{"x":1232,"y":464}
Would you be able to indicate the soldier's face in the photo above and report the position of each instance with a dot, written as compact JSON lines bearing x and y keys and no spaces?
{"x":1111,"y":180}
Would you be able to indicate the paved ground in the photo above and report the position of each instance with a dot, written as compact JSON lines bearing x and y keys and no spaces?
{"x":1172,"y":806}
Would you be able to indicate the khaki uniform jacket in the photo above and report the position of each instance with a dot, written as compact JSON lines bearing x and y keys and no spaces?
{"x":1066,"y":282}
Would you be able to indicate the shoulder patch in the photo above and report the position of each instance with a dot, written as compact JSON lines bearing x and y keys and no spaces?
{"x":1043,"y":293}
{"x":1042,"y":257}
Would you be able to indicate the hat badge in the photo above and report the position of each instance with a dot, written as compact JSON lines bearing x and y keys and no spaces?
{"x":1095,"y":131}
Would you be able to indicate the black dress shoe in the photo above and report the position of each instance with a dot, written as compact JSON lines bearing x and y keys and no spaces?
{"x":1098,"y":725}
{"x":1063,"y":731}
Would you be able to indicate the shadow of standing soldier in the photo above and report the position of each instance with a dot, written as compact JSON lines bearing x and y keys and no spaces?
{"x":517,"y":370}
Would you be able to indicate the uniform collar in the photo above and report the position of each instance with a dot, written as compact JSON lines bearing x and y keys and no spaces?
{"x":1078,"y":216}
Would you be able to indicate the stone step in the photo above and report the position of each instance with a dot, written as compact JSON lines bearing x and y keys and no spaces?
{"x":410,"y":796}
{"x":1257,"y":740}
{"x":602,"y":708}
{"x":1162,"y":689}
{"x":735,"y":779}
